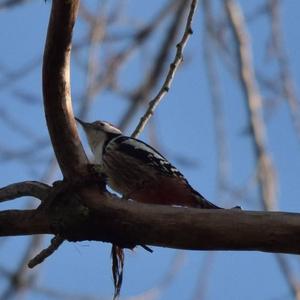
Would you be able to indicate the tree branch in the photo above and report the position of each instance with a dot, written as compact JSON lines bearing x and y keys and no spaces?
{"x":23,"y":222}
{"x":26,"y":188}
{"x":129,"y":223}
{"x":266,"y":170}
{"x":171,"y":73}
{"x":39,"y":258}
{"x":56,"y":89}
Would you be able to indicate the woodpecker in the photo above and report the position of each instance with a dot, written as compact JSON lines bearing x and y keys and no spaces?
{"x":137,"y":171}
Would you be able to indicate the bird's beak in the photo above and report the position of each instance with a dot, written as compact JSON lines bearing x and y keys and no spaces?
{"x":83,"y":124}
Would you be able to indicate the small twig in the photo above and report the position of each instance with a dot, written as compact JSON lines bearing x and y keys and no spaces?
{"x":221,"y":139}
{"x":160,"y":64}
{"x":26,"y":188}
{"x":285,"y":77}
{"x":254,"y":103}
{"x":55,"y":243}
{"x":172,"y":70}
{"x":147,"y":248}
{"x":107,"y":78}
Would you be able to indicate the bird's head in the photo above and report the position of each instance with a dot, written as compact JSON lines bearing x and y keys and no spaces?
{"x":98,"y":132}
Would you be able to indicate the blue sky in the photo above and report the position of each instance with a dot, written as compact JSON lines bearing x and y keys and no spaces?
{"x":184,"y":125}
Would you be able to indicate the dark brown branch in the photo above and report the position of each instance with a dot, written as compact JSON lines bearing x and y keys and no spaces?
{"x":26,"y":188}
{"x":22,"y":279}
{"x":54,"y":245}
{"x":128,"y":223}
{"x":23,"y":222}
{"x":56,"y":89}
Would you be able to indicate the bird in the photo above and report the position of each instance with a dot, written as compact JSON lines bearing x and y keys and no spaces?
{"x":137,"y":171}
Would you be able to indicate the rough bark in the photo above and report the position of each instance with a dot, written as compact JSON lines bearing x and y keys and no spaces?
{"x":90,"y":214}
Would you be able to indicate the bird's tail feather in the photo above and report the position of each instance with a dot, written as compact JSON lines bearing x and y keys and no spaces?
{"x":204,"y":203}
{"x":117,"y":255}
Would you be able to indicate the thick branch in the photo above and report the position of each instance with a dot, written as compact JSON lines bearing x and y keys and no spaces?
{"x":23,"y":222}
{"x":128,"y":223}
{"x":56,"y":89}
{"x":26,"y":188}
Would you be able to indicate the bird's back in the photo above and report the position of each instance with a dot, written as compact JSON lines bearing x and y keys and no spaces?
{"x":139,"y":172}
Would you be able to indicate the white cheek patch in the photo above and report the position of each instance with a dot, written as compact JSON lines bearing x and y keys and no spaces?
{"x":111,"y":129}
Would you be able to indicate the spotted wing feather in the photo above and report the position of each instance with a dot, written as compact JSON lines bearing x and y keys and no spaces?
{"x":143,"y":174}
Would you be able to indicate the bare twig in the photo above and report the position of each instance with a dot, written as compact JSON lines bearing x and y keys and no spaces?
{"x":291,"y":278}
{"x":18,"y":278}
{"x":216,"y":97}
{"x":38,"y":259}
{"x":286,"y":80}
{"x":170,"y":76}
{"x":107,"y":78}
{"x":265,"y":170}
{"x":23,"y":279}
{"x":157,"y":69}
{"x":97,"y":33}
{"x":26,"y":188}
